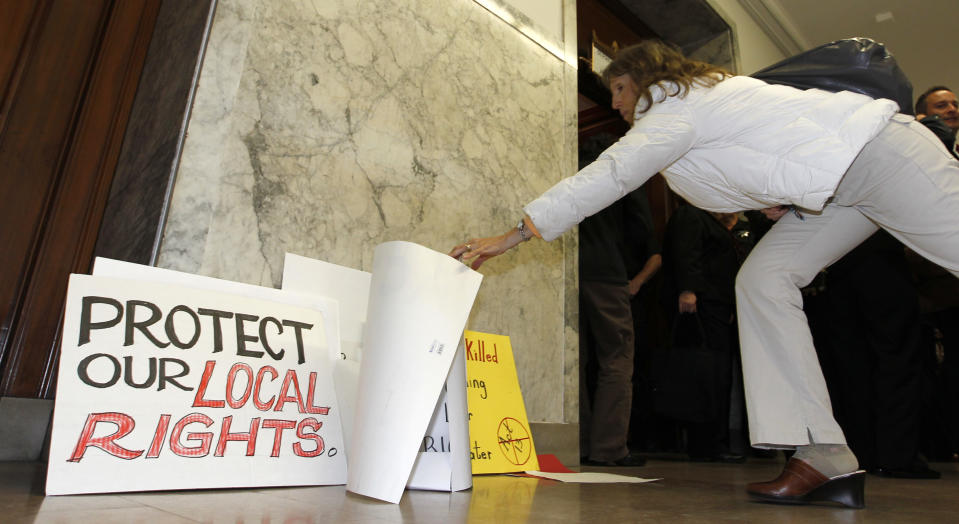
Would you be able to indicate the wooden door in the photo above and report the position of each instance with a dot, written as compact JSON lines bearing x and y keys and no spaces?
{"x":609,"y":22}
{"x":68,"y":74}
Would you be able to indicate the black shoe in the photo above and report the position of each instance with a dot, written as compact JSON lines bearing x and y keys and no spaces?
{"x":763,"y":453}
{"x":629,"y":461}
{"x":703,"y":458}
{"x":912,"y":472}
{"x":731,"y":458}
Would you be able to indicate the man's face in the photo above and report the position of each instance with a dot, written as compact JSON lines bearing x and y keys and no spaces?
{"x":625,"y":95}
{"x":944,"y":104}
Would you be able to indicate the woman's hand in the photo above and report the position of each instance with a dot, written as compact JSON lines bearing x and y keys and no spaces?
{"x":480,"y":250}
{"x":687,"y":302}
{"x":775,"y":213}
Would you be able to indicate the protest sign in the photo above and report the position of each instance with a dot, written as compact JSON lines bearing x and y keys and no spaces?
{"x":163,"y":386}
{"x":350,"y":289}
{"x":443,"y":462}
{"x":412,"y":321}
{"x":500,"y":439}
{"x":419,"y":302}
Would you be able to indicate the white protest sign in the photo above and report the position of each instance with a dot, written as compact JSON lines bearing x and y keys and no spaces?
{"x":420,"y":300}
{"x":443,"y":462}
{"x":438,"y":465}
{"x":344,"y":372}
{"x":350,"y":289}
{"x":168,"y":387}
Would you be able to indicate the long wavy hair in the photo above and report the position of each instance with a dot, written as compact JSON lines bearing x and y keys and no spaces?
{"x":652,"y":62}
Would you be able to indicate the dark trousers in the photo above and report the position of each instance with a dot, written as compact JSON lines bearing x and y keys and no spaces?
{"x":946,"y":396}
{"x":606,"y":326}
{"x":707,"y":439}
{"x":872,"y":360}
{"x":648,"y":431}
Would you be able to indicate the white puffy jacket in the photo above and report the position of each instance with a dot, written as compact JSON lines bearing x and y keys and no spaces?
{"x":741,"y":144}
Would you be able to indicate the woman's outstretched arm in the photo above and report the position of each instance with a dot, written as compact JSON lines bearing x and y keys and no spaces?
{"x":480,"y":250}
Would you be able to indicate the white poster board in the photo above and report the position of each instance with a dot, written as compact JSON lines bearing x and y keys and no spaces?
{"x":163,"y":386}
{"x":415,"y":294}
{"x":443,"y":461}
{"x":350,"y":289}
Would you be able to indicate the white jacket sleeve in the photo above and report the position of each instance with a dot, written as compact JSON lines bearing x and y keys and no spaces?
{"x":657,"y":140}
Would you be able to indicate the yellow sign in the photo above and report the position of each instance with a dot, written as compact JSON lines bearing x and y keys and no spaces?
{"x":500,"y":439}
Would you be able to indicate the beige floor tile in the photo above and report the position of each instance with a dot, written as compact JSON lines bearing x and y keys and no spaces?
{"x":688,"y":492}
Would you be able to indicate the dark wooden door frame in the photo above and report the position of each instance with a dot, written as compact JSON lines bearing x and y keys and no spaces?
{"x":73,"y":168}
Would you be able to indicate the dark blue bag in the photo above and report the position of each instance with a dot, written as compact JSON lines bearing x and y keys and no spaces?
{"x":860,"y":65}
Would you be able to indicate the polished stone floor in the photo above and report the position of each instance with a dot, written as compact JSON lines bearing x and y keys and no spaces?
{"x":688,"y":492}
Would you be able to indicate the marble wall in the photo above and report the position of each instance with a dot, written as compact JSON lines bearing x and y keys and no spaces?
{"x":326,"y":127}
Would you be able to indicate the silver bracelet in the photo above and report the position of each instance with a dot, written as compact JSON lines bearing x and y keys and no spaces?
{"x":523,"y":232}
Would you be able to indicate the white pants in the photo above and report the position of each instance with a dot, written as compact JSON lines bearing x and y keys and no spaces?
{"x":903,"y":181}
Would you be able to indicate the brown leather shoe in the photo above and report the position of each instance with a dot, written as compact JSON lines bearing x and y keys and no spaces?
{"x":800,"y":483}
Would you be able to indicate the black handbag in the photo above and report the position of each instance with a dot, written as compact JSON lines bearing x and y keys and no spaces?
{"x":685,"y":375}
{"x":860,"y":65}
